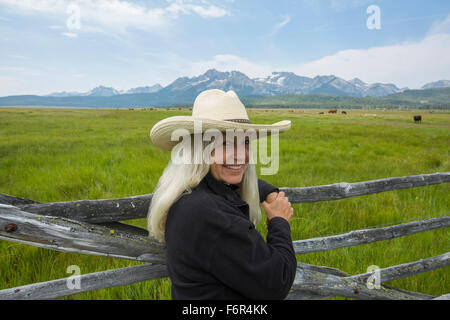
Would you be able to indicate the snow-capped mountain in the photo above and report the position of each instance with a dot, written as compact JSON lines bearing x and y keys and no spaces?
{"x":291,"y":83}
{"x":65,"y":94}
{"x":102,"y":91}
{"x":375,"y":89}
{"x":185,"y":88}
{"x":146,"y":89}
{"x":437,"y":84}
{"x":287,"y":82}
{"x":233,"y":80}
{"x":279,"y":83}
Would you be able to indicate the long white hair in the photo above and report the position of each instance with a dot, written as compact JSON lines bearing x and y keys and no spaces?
{"x":179,"y":179}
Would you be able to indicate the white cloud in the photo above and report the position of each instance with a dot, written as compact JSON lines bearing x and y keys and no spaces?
{"x":40,"y":6}
{"x":280,"y":26}
{"x":54,"y":27}
{"x":19,"y":70}
{"x":206,"y":11}
{"x":11,"y":85}
{"x":168,"y":66}
{"x":18,"y":57}
{"x":440,"y":26}
{"x":209,"y":12}
{"x":116,"y":15}
{"x":70,"y":34}
{"x":317,"y":6}
{"x":408,"y":64}
{"x":79,"y":75}
{"x":229,"y":62}
{"x":342,"y":5}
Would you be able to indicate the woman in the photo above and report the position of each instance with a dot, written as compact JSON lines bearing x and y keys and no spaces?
{"x":206,"y":209}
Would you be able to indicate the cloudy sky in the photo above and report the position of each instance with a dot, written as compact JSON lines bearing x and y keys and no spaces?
{"x":58,"y":45}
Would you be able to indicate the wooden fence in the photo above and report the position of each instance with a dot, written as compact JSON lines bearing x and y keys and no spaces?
{"x":93,"y":227}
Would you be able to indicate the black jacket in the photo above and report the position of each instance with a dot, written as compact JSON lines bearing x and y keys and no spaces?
{"x":215,"y":252}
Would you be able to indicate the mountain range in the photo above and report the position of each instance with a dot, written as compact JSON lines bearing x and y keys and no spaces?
{"x":437,"y":84}
{"x":278,"y":83}
{"x":184,"y":90}
{"x":102,"y":91}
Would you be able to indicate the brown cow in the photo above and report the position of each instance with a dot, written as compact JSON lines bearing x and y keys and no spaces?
{"x":332,"y":111}
{"x":417,"y":119}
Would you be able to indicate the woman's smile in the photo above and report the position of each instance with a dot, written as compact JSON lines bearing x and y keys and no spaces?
{"x":229,"y":174}
{"x":234,"y":169}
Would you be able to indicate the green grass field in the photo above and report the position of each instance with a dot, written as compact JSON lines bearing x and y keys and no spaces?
{"x":70,"y":154}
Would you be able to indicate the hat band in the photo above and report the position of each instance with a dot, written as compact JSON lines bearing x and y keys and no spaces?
{"x":239,"y":120}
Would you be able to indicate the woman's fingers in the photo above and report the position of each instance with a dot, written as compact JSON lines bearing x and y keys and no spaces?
{"x":271,"y":197}
{"x":278,"y":205}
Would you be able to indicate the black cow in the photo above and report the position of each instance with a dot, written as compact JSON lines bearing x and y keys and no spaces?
{"x":417,"y":119}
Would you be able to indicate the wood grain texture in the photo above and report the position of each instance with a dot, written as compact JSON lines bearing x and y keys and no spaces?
{"x":357,"y":237}
{"x":87,"y":282}
{"x":109,"y":210}
{"x":68,"y":235}
{"x":344,"y":190}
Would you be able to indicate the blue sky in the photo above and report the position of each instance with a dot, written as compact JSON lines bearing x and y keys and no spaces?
{"x":57,"y":45}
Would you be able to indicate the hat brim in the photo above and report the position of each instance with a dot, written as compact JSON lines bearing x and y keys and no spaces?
{"x":161,"y":133}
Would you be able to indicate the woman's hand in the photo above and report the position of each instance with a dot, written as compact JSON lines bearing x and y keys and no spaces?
{"x":277,"y":205}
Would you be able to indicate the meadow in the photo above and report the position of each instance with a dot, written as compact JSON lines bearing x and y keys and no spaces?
{"x":55,"y":154}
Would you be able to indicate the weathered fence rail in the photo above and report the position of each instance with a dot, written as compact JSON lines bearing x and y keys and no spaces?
{"x":108,"y":210}
{"x":93,"y":227}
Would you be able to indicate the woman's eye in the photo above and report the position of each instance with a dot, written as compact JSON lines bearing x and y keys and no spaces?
{"x":229,"y":143}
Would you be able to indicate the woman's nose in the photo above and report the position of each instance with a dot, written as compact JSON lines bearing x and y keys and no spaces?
{"x":240,"y":154}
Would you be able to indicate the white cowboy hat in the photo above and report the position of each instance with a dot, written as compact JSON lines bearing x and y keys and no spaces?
{"x":215,"y":109}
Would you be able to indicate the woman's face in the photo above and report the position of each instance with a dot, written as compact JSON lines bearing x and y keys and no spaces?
{"x":231,"y":168}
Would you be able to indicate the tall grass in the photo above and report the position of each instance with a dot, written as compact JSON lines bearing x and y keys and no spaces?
{"x":70,"y":154}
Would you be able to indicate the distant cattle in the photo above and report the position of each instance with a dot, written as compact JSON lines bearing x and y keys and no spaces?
{"x":417,"y":119}
{"x":343,"y":112}
{"x":320,"y":112}
{"x":332,"y":111}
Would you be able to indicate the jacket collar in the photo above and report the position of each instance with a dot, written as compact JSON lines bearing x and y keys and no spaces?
{"x":226,"y":191}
